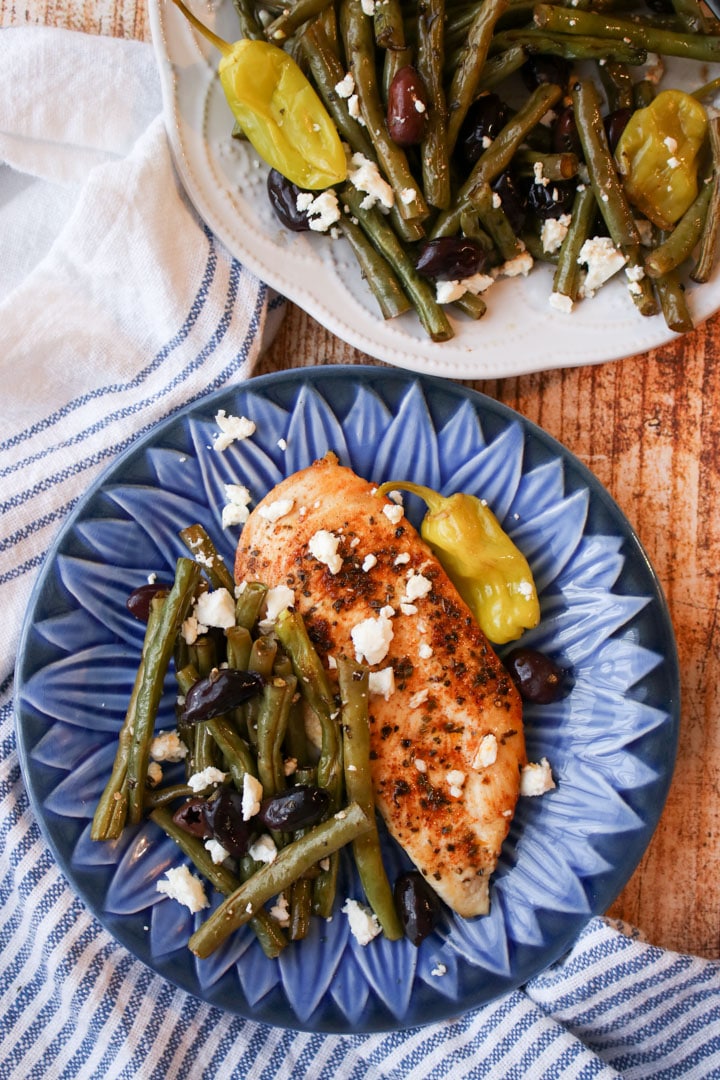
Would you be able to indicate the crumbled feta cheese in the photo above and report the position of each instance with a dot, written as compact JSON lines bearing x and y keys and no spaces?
{"x":277,"y":599}
{"x":407,"y":196}
{"x":168,"y":746}
{"x":420,"y":765}
{"x":538,"y":171}
{"x":199,"y":781}
{"x":322,"y":210}
{"x":419,"y":698}
{"x":417,"y":586}
{"x":408,"y":609}
{"x":553,"y":232}
{"x":216,"y":608}
{"x":402,"y":559}
{"x":496,"y":200}
{"x":179,"y":884}
{"x":353,"y":104}
{"x":561,"y":302}
{"x":346,"y":86}
{"x":363,"y":922}
{"x":393,"y":513}
{"x":218,"y":854}
{"x":382,"y":682}
{"x":273,"y":511}
{"x":654,"y":68}
{"x":154,"y":773}
{"x":673,"y":162}
{"x":371,"y":639}
{"x":323,"y":546}
{"x":280,"y":910}
{"x":456,"y":778}
{"x":477,"y":283}
{"x":447,"y":292}
{"x":602,"y":259}
{"x":522,"y":264}
{"x":365,"y":176}
{"x":536,"y":778}
{"x":263,"y":850}
{"x":670,"y":143}
{"x":368,"y":7}
{"x":387,"y":612}
{"x":368,"y":562}
{"x":231,"y":428}
{"x":439,"y":970}
{"x":236,"y":510}
{"x":252,"y":794}
{"x":644,"y":227}
{"x":486,"y":752}
{"x":425,"y":651}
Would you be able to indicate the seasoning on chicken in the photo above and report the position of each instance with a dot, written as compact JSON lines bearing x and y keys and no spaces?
{"x":446,"y":732}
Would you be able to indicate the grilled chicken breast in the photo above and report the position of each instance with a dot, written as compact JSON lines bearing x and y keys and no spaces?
{"x":446,"y":739}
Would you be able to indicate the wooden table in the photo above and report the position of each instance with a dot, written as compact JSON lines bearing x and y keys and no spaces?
{"x":648,"y":428}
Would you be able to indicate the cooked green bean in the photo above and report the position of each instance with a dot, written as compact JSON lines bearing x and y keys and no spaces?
{"x":203,"y":550}
{"x":471,"y":305}
{"x":570,"y":47}
{"x":238,"y":645}
{"x":353,"y":680}
{"x":434,"y":150}
{"x":376,"y":270}
{"x":292,"y":17}
{"x":673,"y":302}
{"x":500,"y":67}
{"x":495,"y":221}
{"x":709,"y":236}
{"x":554,"y":166}
{"x":237,"y":755}
{"x":154,"y":668}
{"x":466,"y":79}
{"x":262,"y":658}
{"x":276,"y":877}
{"x":300,"y":908}
{"x":272,"y":720}
{"x":618,"y":84}
{"x":568,"y":275}
{"x":681,"y":241}
{"x":248,"y":604}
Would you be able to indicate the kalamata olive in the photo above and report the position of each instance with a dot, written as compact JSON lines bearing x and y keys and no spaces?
{"x":191,"y":818}
{"x":222,"y":690}
{"x":541,"y":69}
{"x":418,"y":906}
{"x":661,"y":7}
{"x":538,"y":678}
{"x":283,"y":196}
{"x":295,"y":808}
{"x":565,"y":135}
{"x":224,"y":817}
{"x":407,"y":108}
{"x":486,"y":117}
{"x":551,"y":200}
{"x":451,"y":258}
{"x":615,"y":123}
{"x":512,"y":200}
{"x":138,"y":602}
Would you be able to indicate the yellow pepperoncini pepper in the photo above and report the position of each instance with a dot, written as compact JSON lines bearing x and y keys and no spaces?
{"x":657,"y":155}
{"x":278,"y":110}
{"x":490,"y":573}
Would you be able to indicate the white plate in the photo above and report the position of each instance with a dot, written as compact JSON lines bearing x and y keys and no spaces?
{"x":225,"y":181}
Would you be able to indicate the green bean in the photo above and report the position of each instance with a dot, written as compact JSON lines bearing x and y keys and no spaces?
{"x":568,"y":276}
{"x":238,"y":757}
{"x":353,"y":680}
{"x":434,"y":150}
{"x":499,"y":154}
{"x":154,"y":668}
{"x":276,"y":877}
{"x":471,"y":305}
{"x":467,"y":77}
{"x":275,"y":702}
{"x":291,"y":18}
{"x":249,"y":25}
{"x":356,"y":31}
{"x":417,"y":288}
{"x":673,"y":302}
{"x":267,"y":930}
{"x":618,"y":84}
{"x":389,"y":27}
{"x":111,"y":812}
{"x":690,"y":15}
{"x":494,"y":219}
{"x":205,"y":755}
{"x":204,"y":552}
{"x":570,"y":47}
{"x":500,"y":67}
{"x":238,"y":645}
{"x":300,"y":908}
{"x":164,"y":796}
{"x":638,"y":35}
{"x":707,"y":90}
{"x":709,"y":236}
{"x":680,"y":243}
{"x":554,"y":166}
{"x":248,"y":604}
{"x":376,"y":270}
{"x":262,"y":658}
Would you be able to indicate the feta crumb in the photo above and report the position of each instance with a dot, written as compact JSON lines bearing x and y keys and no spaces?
{"x":486,"y":752}
{"x":561,"y":302}
{"x":231,"y":428}
{"x":393,"y":512}
{"x":425,"y":651}
{"x":477,"y":283}
{"x":496,"y":200}
{"x":387,"y":612}
{"x":419,"y":698}
{"x":673,"y":162}
{"x":416,"y":586}
{"x":644,"y":227}
{"x":168,"y":746}
{"x":456,"y":778}
{"x":538,"y":171}
{"x":553,"y":232}
{"x":371,"y":638}
{"x":199,"y":781}
{"x":218,"y":854}
{"x":179,"y":884}
{"x":368,"y":7}
{"x":323,"y":546}
{"x":364,"y":925}
{"x":252,"y":794}
{"x":282,"y":443}
{"x":273,"y":511}
{"x":447,"y":292}
{"x":522,"y":264}
{"x":382,"y":682}
{"x":368,"y":562}
{"x":346,"y":86}
{"x":365,"y":176}
{"x":602,"y":259}
{"x":280,"y":910}
{"x":536,"y":778}
{"x":216,"y":608}
{"x":408,"y":609}
{"x":420,"y":765}
{"x":353,"y":104}
{"x":263,"y":850}
{"x":670,"y":143}
{"x":439,"y":970}
{"x":154,"y":773}
{"x":237,"y":500}
{"x":322,"y":210}
{"x":277,"y":600}
{"x":407,"y":196}
{"x":403,"y":559}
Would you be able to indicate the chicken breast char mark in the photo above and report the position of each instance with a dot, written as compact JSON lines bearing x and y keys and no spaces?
{"x":447,"y":745}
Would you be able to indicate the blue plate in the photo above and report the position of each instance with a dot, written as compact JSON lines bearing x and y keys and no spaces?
{"x":611,"y":741}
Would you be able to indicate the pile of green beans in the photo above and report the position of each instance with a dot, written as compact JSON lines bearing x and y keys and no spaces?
{"x":463,"y":49}
{"x":255,"y":738}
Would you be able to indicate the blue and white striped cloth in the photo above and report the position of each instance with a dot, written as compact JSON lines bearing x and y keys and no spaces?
{"x":116,"y":308}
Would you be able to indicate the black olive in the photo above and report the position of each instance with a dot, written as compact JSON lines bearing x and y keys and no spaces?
{"x":223,"y":814}
{"x":407,"y":108}
{"x":191,"y":818}
{"x":661,"y":7}
{"x":615,"y":123}
{"x":222,"y":690}
{"x":485,"y":118}
{"x":138,"y":602}
{"x":283,"y":196}
{"x":565,"y":135}
{"x":418,"y":906}
{"x":513,"y":202}
{"x":295,"y":808}
{"x":538,"y":678}
{"x":541,"y":69}
{"x":451,"y":258}
{"x":551,"y":200}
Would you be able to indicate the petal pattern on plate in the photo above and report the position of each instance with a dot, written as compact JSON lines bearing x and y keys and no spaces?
{"x":610,"y":741}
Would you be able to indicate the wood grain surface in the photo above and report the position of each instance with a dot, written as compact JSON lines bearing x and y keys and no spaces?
{"x":648,"y":428}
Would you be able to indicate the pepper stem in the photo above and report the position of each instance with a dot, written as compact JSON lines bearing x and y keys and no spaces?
{"x":224,"y":46}
{"x":433,"y":499}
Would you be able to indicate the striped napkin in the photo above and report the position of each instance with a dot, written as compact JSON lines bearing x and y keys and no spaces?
{"x":116,"y":308}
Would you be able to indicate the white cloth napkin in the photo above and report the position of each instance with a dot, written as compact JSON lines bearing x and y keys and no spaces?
{"x":117,"y":307}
